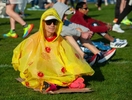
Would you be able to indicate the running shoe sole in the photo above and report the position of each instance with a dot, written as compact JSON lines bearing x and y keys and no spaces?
{"x":28,"y":32}
{"x":5,"y":36}
{"x":119,"y":45}
{"x":107,"y":55}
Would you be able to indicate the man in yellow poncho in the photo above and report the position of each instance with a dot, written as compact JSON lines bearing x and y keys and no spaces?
{"x":45,"y":57}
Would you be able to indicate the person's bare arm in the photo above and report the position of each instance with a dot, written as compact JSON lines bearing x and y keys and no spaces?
{"x":85,"y":35}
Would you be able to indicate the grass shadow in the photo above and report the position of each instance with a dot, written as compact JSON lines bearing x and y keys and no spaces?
{"x":32,"y":19}
{"x":4,"y":23}
{"x":98,"y":76}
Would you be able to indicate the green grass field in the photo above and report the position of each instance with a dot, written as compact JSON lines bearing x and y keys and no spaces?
{"x":111,"y":81}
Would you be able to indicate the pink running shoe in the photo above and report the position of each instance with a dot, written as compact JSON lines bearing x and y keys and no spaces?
{"x":78,"y":83}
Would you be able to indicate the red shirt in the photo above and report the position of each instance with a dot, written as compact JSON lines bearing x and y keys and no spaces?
{"x":94,"y":25}
{"x":49,"y":39}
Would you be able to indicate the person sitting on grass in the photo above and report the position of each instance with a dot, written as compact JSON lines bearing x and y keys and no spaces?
{"x":80,"y":17}
{"x":46,"y":60}
{"x":73,"y":32}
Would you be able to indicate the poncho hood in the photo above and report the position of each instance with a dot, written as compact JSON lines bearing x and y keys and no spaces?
{"x":50,"y":12}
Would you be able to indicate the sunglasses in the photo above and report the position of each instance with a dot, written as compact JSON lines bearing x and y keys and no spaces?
{"x":49,"y":22}
{"x":85,"y":8}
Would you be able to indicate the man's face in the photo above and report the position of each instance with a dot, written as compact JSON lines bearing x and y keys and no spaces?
{"x":84,"y":9}
{"x":50,"y":27}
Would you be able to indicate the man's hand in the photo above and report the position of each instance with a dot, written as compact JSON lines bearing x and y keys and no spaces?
{"x":86,"y":35}
{"x":109,"y":26}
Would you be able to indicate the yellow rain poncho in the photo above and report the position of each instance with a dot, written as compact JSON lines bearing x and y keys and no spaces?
{"x":54,"y":62}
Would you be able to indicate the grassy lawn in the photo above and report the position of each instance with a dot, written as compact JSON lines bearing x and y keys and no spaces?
{"x":111,"y":81}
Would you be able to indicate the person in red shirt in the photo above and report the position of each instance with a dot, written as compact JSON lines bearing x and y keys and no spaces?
{"x":80,"y":17}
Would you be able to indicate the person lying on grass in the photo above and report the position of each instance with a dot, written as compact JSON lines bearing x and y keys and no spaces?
{"x":46,"y":60}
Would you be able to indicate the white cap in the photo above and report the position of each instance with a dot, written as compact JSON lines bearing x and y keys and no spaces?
{"x":50,"y":17}
{"x":69,"y":11}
